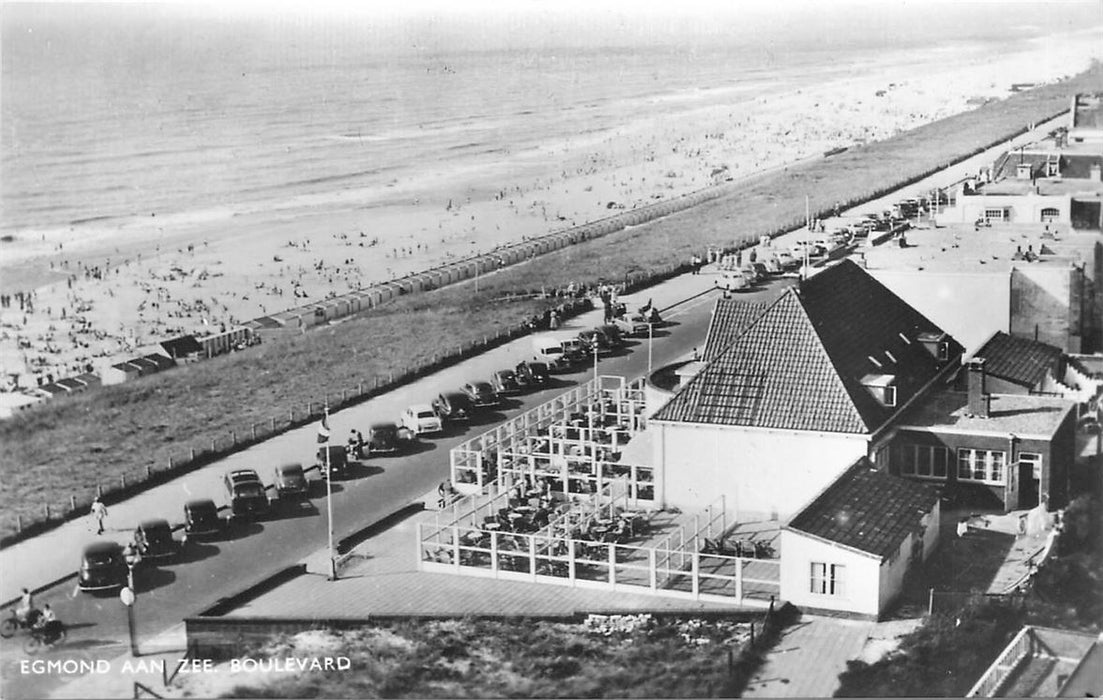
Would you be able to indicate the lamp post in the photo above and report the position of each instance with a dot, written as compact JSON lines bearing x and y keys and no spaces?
{"x":128,"y":598}
{"x":329,"y":504}
{"x":650,"y":336}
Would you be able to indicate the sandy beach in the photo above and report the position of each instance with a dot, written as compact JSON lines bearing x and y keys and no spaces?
{"x":80,"y":302}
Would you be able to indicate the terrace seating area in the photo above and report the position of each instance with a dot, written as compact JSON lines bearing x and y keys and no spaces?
{"x":522,"y":530}
{"x":573,"y":443}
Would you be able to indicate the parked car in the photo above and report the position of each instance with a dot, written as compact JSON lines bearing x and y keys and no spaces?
{"x":336,"y":457}
{"x":627,"y":326}
{"x":453,"y":406}
{"x":422,"y":419}
{"x":612,"y":334}
{"x":102,"y":567}
{"x":290,"y":480}
{"x":532,"y":374}
{"x":246,"y":492}
{"x":201,"y":519}
{"x":548,"y":349}
{"x":505,"y":382}
{"x":595,"y":339}
{"x":756,"y":271}
{"x":387,"y":438}
{"x":481,"y":394}
{"x":733,"y":280}
{"x":153,"y":539}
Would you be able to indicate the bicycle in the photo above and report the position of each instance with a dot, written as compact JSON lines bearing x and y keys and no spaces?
{"x":47,"y":637}
{"x":13,"y":623}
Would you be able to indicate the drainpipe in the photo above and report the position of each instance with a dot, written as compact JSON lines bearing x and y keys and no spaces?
{"x":1011,"y":460}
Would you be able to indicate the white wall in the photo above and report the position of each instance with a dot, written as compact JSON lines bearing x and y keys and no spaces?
{"x":762,"y":474}
{"x":1024,"y":208}
{"x":861,"y":584}
{"x":970,"y":306}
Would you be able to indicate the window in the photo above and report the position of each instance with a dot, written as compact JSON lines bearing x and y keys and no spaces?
{"x":1050,"y":214}
{"x":927,"y":461}
{"x":828,"y":579}
{"x":981,"y":465}
{"x":994,"y":214}
{"x":1035,"y":460}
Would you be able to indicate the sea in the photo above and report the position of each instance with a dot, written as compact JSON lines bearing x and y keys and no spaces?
{"x":112,"y":113}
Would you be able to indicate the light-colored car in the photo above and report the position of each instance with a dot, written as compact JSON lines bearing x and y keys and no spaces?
{"x":733,"y":280}
{"x":421,"y":419}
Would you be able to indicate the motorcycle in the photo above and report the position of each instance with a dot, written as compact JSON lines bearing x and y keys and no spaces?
{"x":46,"y":637}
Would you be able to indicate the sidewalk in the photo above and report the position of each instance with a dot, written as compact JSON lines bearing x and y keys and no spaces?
{"x":808,"y":658}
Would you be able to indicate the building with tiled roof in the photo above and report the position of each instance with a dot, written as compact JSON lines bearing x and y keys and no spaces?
{"x":730,"y":317}
{"x":798,"y":395}
{"x":851,"y":546}
{"x":1017,"y":365}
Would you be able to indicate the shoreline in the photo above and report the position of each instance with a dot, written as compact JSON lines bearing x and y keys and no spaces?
{"x":125,"y":288}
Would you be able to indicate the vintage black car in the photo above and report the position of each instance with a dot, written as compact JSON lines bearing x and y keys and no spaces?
{"x":102,"y":567}
{"x":153,"y":539}
{"x":246,"y":493}
{"x":532,"y":374}
{"x":453,"y":406}
{"x":612,"y":334}
{"x":290,"y":480}
{"x":201,"y":519}
{"x":504,"y":382}
{"x":481,"y":394}
{"x":388,"y":438}
{"x":335,"y":457}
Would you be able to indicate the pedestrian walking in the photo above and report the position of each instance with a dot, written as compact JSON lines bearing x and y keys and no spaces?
{"x":99,"y":512}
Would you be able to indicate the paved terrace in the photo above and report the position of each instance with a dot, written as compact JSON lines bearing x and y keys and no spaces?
{"x":382,"y":578}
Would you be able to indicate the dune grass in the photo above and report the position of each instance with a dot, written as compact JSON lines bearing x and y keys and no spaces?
{"x":67,"y":447}
{"x":73,"y":444}
{"x":521,"y":659}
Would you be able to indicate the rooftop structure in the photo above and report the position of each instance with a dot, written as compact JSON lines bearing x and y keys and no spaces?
{"x":1019,"y":360}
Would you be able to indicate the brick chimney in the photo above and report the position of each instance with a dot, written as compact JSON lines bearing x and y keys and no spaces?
{"x":978,"y":393}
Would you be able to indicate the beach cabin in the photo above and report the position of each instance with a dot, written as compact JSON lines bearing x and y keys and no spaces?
{"x":184,"y":348}
{"x":12,"y":403}
{"x":120,"y":372}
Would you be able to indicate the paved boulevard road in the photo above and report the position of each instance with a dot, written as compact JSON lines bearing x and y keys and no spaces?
{"x":168,"y":593}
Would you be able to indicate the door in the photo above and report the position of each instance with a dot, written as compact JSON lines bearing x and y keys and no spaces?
{"x":1030,"y":477}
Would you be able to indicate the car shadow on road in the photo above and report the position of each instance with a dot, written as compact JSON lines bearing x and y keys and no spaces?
{"x":359,"y":470}
{"x":415,"y":447}
{"x":243,"y":528}
{"x":292,"y":509}
{"x":193,"y":551}
{"x":152,"y":578}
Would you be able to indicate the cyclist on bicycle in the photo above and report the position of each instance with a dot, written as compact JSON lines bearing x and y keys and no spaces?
{"x":26,"y":612}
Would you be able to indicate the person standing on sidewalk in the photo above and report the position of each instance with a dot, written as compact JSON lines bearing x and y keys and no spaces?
{"x":99,"y":512}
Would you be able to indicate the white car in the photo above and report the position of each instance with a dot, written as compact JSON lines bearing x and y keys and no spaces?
{"x":421,"y":419}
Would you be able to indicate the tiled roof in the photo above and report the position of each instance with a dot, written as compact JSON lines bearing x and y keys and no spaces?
{"x":868,"y":510}
{"x":1019,"y":360}
{"x":730,"y":317}
{"x":799,"y":366}
{"x":182,"y":346}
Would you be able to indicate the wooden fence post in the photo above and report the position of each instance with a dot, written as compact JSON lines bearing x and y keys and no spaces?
{"x":72,"y":502}
{"x":122,"y":481}
{"x":99,"y":490}
{"x":273,"y":424}
{"x":18,"y":523}
{"x":149,"y":471}
{"x":233,"y":438}
{"x":213,"y":443}
{"x":47,"y":508}
{"x":254,"y":427}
